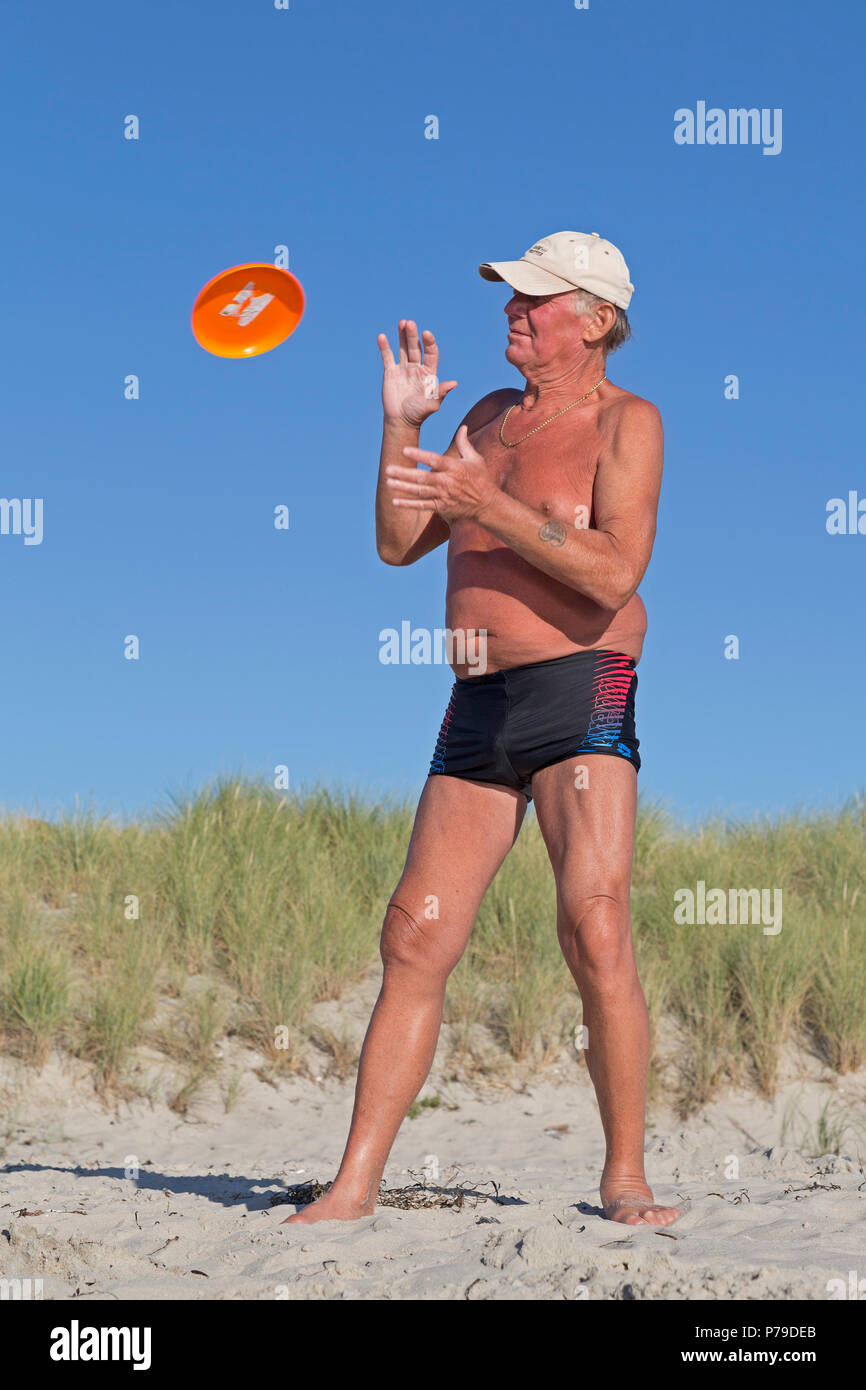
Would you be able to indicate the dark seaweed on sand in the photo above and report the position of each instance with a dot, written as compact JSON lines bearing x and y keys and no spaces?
{"x":416,"y":1196}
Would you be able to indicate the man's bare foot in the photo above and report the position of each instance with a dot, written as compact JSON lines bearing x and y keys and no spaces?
{"x":333,"y":1206}
{"x":633,"y":1205}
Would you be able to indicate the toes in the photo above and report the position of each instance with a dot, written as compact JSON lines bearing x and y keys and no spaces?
{"x":661,"y":1216}
{"x":636,"y":1213}
{"x":625,"y":1216}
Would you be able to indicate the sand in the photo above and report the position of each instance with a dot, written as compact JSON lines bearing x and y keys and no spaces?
{"x":762,"y":1220}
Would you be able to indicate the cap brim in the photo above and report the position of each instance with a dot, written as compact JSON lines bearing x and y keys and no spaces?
{"x":525,"y":278}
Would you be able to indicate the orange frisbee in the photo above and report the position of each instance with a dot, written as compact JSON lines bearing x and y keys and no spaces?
{"x":247,"y":309}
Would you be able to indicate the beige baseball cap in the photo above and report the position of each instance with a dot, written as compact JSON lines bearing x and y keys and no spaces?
{"x":567,"y":261}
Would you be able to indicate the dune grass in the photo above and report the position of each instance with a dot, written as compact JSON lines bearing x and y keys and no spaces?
{"x":238,"y":910}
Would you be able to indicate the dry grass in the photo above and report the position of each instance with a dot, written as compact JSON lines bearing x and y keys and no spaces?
{"x":273,"y":904}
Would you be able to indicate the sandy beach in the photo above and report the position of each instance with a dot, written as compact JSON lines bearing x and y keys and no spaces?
{"x":762,"y":1219}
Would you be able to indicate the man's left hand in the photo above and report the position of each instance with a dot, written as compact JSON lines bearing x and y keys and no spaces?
{"x":455,"y":488}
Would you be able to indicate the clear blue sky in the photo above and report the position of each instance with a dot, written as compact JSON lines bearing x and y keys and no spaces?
{"x":305,"y":127}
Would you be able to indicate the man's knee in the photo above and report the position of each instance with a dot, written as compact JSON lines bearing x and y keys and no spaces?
{"x":411,"y":941}
{"x":595,"y":935}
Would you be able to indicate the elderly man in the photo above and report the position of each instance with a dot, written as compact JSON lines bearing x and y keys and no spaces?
{"x":547,"y":497}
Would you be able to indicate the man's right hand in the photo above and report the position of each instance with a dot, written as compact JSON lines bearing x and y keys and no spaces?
{"x":410,"y":388}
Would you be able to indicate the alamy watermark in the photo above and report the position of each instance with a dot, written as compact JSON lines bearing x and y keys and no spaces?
{"x":421,"y":646}
{"x":717,"y":907}
{"x":846,"y":518}
{"x":711,"y":125}
{"x":22,"y":516}
{"x":853,"y":1288}
{"x":77,"y":1343}
{"x":20,"y":1290}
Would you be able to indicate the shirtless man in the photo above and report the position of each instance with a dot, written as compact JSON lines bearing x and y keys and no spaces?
{"x":547,"y":497}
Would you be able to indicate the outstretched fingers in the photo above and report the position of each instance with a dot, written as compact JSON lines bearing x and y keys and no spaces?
{"x":413,"y":342}
{"x":416,"y":487}
{"x":413,"y":480}
{"x":385,"y":349}
{"x":437,"y":461}
{"x":431,"y":350}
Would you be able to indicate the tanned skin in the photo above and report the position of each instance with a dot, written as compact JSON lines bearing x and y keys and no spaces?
{"x":547,"y":544}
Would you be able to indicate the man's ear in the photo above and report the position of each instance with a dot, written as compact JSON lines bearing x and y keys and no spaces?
{"x":600,"y":322}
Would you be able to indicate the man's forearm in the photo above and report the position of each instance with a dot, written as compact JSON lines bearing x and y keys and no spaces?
{"x":396,"y":528}
{"x":583,"y":559}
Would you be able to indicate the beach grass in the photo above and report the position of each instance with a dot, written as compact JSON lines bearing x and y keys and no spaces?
{"x":235,"y":911}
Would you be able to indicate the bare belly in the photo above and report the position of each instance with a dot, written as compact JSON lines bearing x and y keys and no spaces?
{"x":527,"y":615}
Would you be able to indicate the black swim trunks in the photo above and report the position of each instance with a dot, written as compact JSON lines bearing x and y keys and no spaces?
{"x":505,"y":726}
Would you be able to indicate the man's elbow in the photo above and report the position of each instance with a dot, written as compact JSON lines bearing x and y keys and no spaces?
{"x":619,"y":592}
{"x":622,"y":597}
{"x":611,"y":600}
{"x":389,"y":556}
{"x":622,"y":581}
{"x":606,"y":596}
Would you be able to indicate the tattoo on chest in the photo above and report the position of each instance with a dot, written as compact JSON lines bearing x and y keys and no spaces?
{"x":553,"y":532}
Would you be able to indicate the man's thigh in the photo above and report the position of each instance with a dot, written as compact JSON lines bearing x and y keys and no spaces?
{"x":586,"y":810}
{"x":463,"y":830}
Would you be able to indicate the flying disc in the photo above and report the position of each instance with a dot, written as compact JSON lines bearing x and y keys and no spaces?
{"x":247,"y":309}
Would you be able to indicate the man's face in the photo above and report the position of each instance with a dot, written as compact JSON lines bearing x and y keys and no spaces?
{"x":541,"y":327}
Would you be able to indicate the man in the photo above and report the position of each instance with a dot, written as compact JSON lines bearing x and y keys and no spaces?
{"x":547,"y":497}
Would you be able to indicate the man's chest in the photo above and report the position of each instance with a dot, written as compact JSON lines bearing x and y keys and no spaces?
{"x":551,"y":472}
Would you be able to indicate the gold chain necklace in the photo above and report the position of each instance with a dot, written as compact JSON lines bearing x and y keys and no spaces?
{"x":504,"y":441}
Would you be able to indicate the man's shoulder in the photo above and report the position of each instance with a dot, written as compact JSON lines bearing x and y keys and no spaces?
{"x":629,"y":416}
{"x":624,"y":404}
{"x":490,"y":406}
